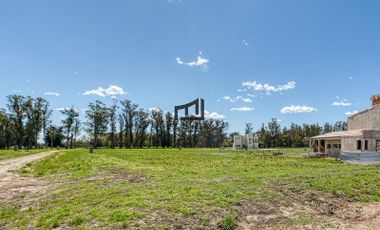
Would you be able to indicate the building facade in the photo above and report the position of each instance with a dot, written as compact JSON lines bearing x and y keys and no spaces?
{"x":248,"y":142}
{"x":363,"y":134}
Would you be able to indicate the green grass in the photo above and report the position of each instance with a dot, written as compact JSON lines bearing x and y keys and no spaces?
{"x":228,"y":223}
{"x":121,"y":188}
{"x":10,"y":154}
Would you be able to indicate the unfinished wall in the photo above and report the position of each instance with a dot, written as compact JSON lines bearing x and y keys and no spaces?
{"x":369,"y":119}
{"x":349,"y":144}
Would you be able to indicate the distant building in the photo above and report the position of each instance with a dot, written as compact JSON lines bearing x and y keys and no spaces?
{"x":363,"y":134}
{"x":249,"y":141}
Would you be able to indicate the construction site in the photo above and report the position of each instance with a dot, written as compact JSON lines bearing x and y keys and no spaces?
{"x":361,"y":140}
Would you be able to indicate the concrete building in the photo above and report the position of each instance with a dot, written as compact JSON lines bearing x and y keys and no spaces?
{"x":363,"y":134}
{"x":249,"y":141}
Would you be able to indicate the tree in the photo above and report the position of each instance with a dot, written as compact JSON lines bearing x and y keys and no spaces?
{"x":30,"y":119}
{"x":6,"y":130}
{"x":141,"y":124}
{"x":16,"y":106}
{"x":327,"y":128}
{"x":46,"y":114}
{"x":97,"y":120}
{"x":248,"y":128}
{"x":264,"y":137}
{"x":54,"y":136}
{"x":169,"y":124}
{"x":41,"y":115}
{"x":121,"y":130}
{"x":158,"y":126}
{"x":182,"y":133}
{"x":221,"y":128}
{"x":340,"y":126}
{"x":129,"y":111}
{"x":75,"y":132}
{"x":210,"y":134}
{"x":274,"y":129}
{"x":113,"y":121}
{"x":71,"y":114}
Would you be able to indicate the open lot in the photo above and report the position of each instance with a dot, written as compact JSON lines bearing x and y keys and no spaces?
{"x":193,"y":189}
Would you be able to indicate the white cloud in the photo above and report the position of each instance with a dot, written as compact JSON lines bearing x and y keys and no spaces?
{"x":51,"y":94}
{"x":341,"y":103}
{"x":227,"y":98}
{"x":179,"y":61}
{"x":238,"y":98}
{"x":100,"y":91}
{"x":112,"y":90}
{"x":351,"y":113}
{"x":248,"y":42}
{"x":199,"y":62}
{"x":156,"y":109}
{"x":65,"y":109}
{"x":244,"y":99}
{"x":298,"y":109}
{"x":243,"y":109}
{"x":214,"y":115}
{"x":269,"y":88}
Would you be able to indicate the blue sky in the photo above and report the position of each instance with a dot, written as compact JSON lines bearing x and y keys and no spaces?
{"x":164,"y":53}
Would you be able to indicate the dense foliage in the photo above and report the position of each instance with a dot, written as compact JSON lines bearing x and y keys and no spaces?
{"x":272,"y":135}
{"x":26,"y":123}
{"x":23,"y":122}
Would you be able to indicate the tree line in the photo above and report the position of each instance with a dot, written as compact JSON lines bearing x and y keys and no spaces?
{"x":26,"y":123}
{"x":125,"y":125}
{"x":24,"y":119}
{"x":272,"y":135}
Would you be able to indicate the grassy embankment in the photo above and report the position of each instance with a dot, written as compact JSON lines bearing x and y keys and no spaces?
{"x":159,"y":188}
{"x":10,"y":154}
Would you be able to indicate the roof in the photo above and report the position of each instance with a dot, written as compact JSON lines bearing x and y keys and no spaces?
{"x":361,"y":112}
{"x":341,"y":134}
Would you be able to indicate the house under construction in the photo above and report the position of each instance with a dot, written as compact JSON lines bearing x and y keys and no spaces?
{"x":363,"y":134}
{"x":247,"y":142}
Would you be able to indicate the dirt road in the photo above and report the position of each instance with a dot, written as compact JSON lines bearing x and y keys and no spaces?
{"x":12,"y":184}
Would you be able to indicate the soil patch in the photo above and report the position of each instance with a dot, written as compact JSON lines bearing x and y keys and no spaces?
{"x":117,"y":176}
{"x":12,"y":185}
{"x":307,"y":210}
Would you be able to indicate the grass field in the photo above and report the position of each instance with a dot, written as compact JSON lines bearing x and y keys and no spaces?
{"x":198,"y":188}
{"x":9,"y":154}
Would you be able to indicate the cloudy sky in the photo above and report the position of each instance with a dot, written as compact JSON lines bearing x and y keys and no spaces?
{"x":251,"y":60}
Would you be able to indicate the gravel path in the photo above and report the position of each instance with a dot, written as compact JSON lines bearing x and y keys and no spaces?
{"x":12,"y":184}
